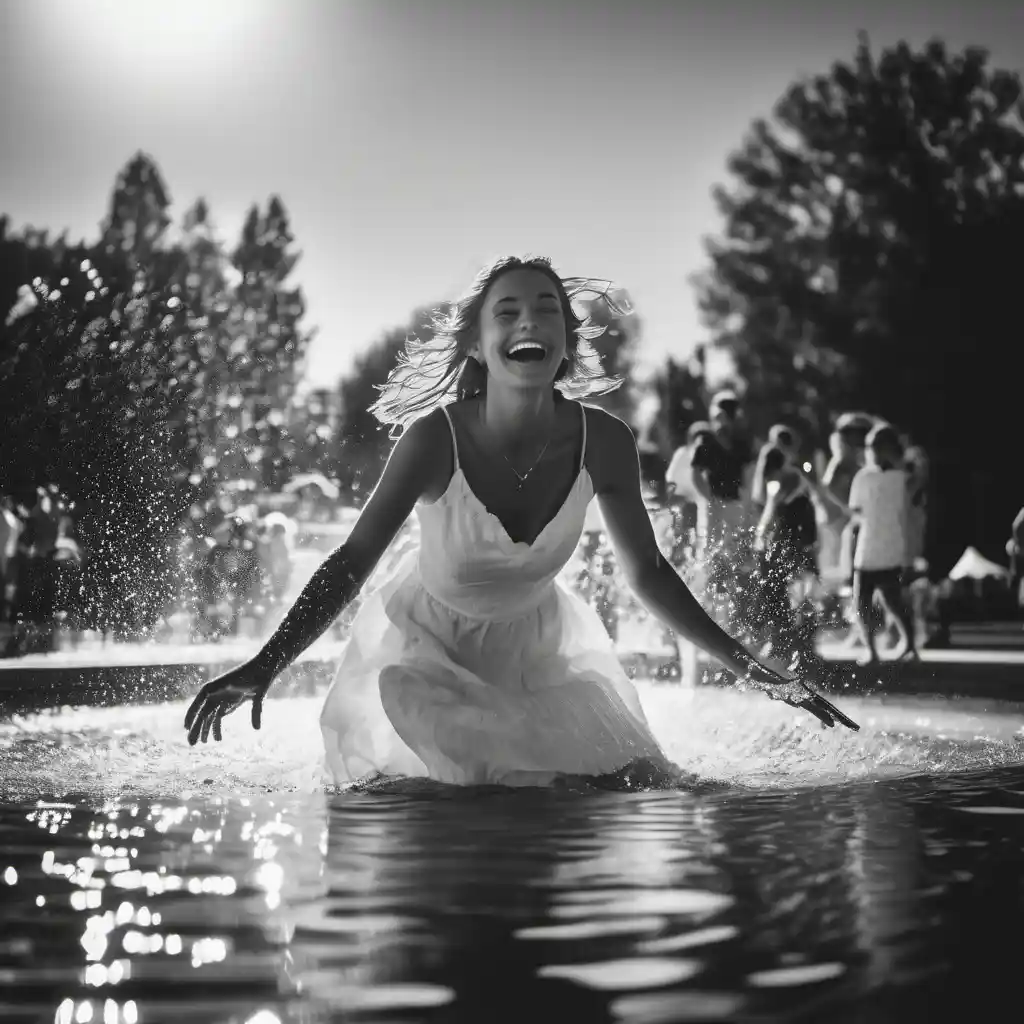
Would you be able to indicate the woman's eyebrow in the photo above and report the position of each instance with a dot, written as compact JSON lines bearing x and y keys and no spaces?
{"x":515,"y":298}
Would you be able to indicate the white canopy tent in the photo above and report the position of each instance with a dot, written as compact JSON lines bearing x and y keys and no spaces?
{"x":973,"y":565}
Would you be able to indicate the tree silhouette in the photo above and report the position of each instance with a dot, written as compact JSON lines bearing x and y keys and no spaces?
{"x":868,"y":260}
{"x":135,"y":373}
{"x":363,"y":441}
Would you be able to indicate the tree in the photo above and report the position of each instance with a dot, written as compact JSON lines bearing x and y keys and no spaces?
{"x":868,"y":259}
{"x":93,"y":404}
{"x":271,"y":344}
{"x":134,"y":373}
{"x":363,"y":441}
{"x":138,"y":214}
{"x":681,"y":395}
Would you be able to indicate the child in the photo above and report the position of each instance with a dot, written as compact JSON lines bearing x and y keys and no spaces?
{"x":880,"y":502}
{"x":472,"y":664}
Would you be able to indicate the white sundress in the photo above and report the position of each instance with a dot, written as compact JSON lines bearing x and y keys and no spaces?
{"x":474,"y":664}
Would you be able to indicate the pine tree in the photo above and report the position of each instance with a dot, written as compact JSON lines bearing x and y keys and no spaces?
{"x":363,"y":441}
{"x":138,"y":214}
{"x":270,"y":343}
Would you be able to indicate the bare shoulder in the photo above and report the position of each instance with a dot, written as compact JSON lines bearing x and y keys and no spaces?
{"x":416,"y":464}
{"x":611,"y":450}
{"x":424,"y":450}
{"x":426,"y":433}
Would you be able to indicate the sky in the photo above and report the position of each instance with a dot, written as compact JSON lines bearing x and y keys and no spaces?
{"x":413,"y":140}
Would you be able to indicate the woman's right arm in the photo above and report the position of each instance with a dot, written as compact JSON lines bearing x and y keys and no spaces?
{"x":338,"y":580}
{"x":409,"y":474}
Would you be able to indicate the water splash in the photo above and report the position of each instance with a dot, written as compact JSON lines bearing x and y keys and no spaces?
{"x":722,"y":736}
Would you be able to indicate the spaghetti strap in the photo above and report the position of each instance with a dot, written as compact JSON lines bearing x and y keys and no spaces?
{"x":455,"y":441}
{"x":583,"y":447}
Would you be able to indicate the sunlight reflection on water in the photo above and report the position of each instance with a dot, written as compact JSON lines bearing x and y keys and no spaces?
{"x":143,"y":881}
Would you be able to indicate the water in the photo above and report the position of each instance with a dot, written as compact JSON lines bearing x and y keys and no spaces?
{"x":812,"y":875}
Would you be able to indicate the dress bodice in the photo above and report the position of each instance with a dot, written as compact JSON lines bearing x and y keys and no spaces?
{"x":468,"y":561}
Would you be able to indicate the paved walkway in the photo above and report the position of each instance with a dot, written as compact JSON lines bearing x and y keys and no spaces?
{"x":94,"y":655}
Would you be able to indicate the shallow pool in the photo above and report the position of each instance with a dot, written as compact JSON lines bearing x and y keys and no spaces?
{"x":810,"y":875}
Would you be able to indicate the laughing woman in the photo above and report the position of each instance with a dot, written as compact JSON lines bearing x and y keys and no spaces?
{"x":472,"y":663}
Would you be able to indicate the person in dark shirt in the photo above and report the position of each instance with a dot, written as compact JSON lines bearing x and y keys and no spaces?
{"x":786,"y":542}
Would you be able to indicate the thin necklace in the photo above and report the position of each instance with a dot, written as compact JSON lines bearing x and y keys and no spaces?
{"x":523,"y":477}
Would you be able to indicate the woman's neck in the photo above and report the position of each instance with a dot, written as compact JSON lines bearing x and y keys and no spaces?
{"x":511,"y":416}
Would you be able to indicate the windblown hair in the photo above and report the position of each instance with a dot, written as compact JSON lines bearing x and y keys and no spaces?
{"x":437,"y":370}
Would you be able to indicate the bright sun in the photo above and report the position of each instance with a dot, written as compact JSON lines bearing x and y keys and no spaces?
{"x":138,"y":32}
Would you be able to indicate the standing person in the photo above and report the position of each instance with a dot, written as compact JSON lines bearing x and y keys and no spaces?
{"x":879,"y":501}
{"x":35,"y":597}
{"x":722,"y":470}
{"x":1015,"y":549}
{"x":838,"y":535}
{"x":848,"y":458}
{"x":10,"y":528}
{"x":915,"y":462}
{"x":681,"y":494}
{"x":786,"y":541}
{"x":472,"y":663}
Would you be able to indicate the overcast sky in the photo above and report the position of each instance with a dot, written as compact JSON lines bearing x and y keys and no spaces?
{"x":413,"y":139}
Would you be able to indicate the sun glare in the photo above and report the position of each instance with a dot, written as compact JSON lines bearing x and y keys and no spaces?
{"x":149,"y":33}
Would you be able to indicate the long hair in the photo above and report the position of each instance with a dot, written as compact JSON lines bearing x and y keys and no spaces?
{"x":433,"y":371}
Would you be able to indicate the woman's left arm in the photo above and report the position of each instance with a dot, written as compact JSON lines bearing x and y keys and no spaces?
{"x":615,"y":469}
{"x":614,"y":466}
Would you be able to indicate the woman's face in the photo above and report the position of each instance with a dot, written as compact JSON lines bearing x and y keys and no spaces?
{"x":522,"y":336}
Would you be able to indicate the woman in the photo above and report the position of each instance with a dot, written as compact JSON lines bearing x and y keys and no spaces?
{"x":471,"y":663}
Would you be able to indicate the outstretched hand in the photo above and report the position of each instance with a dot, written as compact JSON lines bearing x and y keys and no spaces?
{"x":221,"y":696}
{"x":794,"y":692}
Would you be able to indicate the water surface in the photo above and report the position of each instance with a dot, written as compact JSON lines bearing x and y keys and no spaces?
{"x":812,"y":875}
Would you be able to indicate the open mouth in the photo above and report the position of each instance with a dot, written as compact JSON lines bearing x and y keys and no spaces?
{"x":527,"y":352}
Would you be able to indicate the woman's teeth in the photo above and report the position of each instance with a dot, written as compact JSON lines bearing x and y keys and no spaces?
{"x":526,"y":350}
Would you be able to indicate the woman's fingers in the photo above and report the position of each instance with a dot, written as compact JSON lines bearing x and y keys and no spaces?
{"x":208,"y":721}
{"x":196,"y":706}
{"x":208,"y":716}
{"x":198,"y":718}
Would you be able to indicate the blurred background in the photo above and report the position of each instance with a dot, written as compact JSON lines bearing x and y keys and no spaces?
{"x":220,"y":222}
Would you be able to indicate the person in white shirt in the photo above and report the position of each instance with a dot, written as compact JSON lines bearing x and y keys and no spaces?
{"x":880,"y":501}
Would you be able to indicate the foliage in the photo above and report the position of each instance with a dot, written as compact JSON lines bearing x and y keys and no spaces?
{"x":363,"y":441}
{"x":681,"y":393}
{"x":139,"y":372}
{"x":869,"y":260}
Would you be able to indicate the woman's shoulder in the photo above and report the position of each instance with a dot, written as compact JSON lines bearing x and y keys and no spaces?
{"x":611,"y":453}
{"x":604,"y":426}
{"x":426,"y":437}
